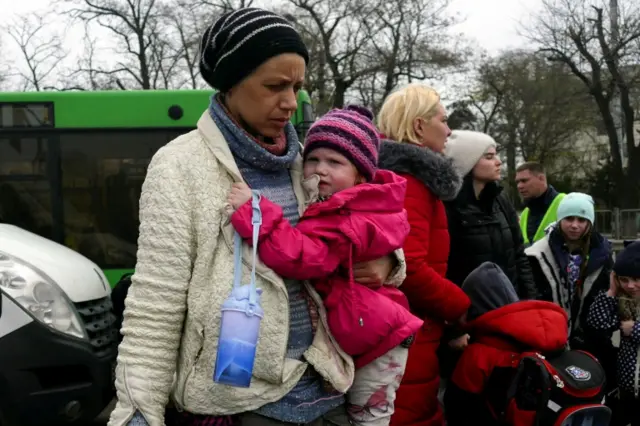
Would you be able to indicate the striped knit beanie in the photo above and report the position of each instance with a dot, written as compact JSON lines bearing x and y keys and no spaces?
{"x":242,"y":40}
{"x":349,"y":131}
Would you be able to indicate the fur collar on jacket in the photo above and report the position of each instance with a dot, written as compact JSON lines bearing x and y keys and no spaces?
{"x":434,"y":170}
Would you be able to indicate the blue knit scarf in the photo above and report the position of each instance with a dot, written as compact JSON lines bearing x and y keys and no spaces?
{"x":244,"y":146}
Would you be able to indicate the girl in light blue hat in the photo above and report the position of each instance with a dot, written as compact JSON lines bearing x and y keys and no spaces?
{"x":571,"y":266}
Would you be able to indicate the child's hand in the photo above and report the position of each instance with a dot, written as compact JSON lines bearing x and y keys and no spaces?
{"x":627,"y":327}
{"x":460,"y":343}
{"x":240,"y":194}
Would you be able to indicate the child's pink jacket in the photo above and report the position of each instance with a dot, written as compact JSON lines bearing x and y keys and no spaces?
{"x":362,"y":223}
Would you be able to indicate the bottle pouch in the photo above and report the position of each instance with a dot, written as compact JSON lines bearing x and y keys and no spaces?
{"x":241,"y":316}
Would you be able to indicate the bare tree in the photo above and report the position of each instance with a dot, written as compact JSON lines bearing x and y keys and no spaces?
{"x":318,"y":81}
{"x":185,"y":22}
{"x":227,"y":5}
{"x":40,"y":50}
{"x":367,"y":48}
{"x":535,"y":109}
{"x":578,"y":34}
{"x":86,"y":74}
{"x":340,"y":26}
{"x":410,"y":41}
{"x":139,"y":35}
{"x":4,"y":68}
{"x":157,"y":41}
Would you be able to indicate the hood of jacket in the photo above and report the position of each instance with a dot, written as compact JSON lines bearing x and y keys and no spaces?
{"x":599,"y":249}
{"x":371,"y":215}
{"x":488,"y":288}
{"x":495,"y":310}
{"x":540,"y":204}
{"x":384,"y":194}
{"x":467,"y":195}
{"x":534,"y":324}
{"x":436,"y":171}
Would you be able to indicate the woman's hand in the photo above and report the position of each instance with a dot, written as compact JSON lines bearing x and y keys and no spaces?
{"x":240,"y":194}
{"x":373,"y":273}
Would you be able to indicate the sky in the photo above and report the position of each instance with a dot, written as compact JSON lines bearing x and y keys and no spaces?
{"x":492,"y":24}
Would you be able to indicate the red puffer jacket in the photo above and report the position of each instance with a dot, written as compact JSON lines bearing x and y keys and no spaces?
{"x":431,"y":179}
{"x":500,"y":337}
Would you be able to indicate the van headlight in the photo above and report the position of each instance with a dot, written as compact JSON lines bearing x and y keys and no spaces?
{"x":39,"y":295}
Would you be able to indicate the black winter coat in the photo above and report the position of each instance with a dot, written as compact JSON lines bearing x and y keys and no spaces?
{"x":483,"y":230}
{"x":487,"y":230}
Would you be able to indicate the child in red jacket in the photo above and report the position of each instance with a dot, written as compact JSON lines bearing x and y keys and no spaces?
{"x":502,"y":328}
{"x":355,"y":214}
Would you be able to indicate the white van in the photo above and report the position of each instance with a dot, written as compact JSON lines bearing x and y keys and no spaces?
{"x":58,"y":339}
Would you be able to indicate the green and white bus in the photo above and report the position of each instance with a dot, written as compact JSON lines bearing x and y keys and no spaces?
{"x":72,"y":163}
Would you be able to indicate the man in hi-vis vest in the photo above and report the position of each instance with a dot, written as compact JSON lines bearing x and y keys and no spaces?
{"x":541,"y":201}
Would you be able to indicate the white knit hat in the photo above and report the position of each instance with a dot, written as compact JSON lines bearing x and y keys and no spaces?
{"x":466,"y":147}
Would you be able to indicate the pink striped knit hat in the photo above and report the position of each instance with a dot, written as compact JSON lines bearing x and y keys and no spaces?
{"x":351,"y":132}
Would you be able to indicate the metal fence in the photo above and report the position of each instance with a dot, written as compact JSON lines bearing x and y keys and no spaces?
{"x":619,"y":224}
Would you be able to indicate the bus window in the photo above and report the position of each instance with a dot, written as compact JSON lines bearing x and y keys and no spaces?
{"x":103,"y":172}
{"x":19,"y":115}
{"x":25,"y":193}
{"x":92,"y":178}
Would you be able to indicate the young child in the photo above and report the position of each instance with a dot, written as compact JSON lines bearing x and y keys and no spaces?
{"x":619,"y":308}
{"x":355,"y":213}
{"x":502,"y":328}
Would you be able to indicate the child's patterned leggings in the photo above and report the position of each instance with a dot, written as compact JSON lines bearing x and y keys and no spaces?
{"x":371,"y":398}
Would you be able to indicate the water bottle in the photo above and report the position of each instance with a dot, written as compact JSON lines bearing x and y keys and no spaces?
{"x":241,"y":317}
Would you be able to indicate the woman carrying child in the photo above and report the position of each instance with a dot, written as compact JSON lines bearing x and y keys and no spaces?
{"x":354,"y":213}
{"x":256,"y":61}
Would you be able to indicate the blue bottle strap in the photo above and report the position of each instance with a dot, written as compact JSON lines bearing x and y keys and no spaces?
{"x":237,"y":260}
{"x":256,"y":221}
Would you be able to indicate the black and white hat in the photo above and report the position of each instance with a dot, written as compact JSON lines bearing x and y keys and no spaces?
{"x":240,"y":41}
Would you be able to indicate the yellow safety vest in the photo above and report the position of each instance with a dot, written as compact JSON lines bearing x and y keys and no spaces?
{"x":550,"y":217}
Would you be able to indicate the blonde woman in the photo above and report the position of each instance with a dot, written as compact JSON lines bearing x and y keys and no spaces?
{"x":416,"y":122}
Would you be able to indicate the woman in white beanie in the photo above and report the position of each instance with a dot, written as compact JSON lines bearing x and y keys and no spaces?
{"x":483,"y":226}
{"x":571,"y":266}
{"x":482,"y":222}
